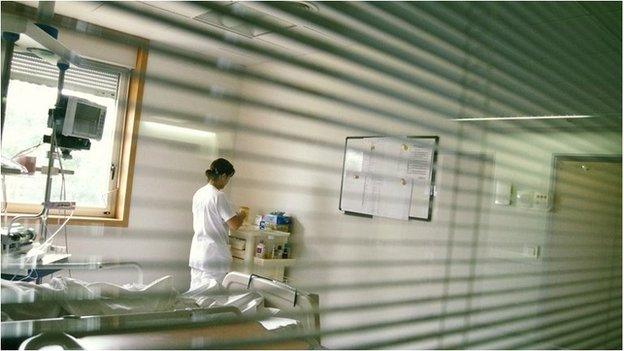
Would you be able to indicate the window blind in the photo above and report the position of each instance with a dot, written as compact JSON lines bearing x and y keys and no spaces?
{"x":524,"y":246}
{"x":29,"y":67}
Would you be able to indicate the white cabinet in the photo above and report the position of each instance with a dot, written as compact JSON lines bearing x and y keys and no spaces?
{"x":243,"y":244}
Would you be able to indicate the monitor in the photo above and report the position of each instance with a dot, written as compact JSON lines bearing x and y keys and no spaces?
{"x":83,"y":119}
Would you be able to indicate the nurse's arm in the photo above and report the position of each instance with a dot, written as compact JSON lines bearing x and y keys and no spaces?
{"x":236,"y":221}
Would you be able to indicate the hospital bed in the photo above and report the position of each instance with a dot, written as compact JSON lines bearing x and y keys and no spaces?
{"x":289,"y":321}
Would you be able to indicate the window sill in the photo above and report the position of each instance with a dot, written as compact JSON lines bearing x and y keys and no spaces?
{"x":80,"y":220}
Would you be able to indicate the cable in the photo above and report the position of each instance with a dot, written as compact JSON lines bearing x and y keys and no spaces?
{"x":63,"y":198}
{"x":29,"y":276}
{"x":59,"y":229}
{"x":104,"y":194}
{"x":35,"y":252}
{"x":25,"y":151}
{"x":5,"y":203}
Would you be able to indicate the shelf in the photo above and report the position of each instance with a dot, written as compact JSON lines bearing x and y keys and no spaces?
{"x":238,"y":253}
{"x":249,"y":231}
{"x":270,"y":263}
{"x":55,"y":170}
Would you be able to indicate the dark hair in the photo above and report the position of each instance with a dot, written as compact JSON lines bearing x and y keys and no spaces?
{"x":218,"y":167}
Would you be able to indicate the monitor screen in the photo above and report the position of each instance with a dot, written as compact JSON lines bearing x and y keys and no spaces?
{"x":87,"y":119}
{"x":83,"y":119}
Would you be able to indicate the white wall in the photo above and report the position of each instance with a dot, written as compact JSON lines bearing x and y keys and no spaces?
{"x":303,"y":177}
{"x":299,"y":171}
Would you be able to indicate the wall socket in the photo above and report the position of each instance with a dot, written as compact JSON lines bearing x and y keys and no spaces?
{"x":531,"y":251}
{"x":541,"y":201}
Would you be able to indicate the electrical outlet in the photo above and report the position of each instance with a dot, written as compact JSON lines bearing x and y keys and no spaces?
{"x":531,"y":251}
{"x":541,"y":201}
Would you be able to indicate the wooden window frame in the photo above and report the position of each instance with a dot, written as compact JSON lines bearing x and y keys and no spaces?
{"x":128,"y":147}
{"x":130,"y":128}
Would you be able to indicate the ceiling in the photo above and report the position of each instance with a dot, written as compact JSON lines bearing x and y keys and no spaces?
{"x":103,"y":14}
{"x":567,"y":37}
{"x":605,"y":16}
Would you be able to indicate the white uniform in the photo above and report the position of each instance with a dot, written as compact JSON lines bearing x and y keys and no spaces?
{"x":210,"y":257}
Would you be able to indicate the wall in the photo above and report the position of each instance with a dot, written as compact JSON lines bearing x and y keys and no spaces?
{"x":299,"y":171}
{"x":512,"y":229}
{"x":295,"y":166}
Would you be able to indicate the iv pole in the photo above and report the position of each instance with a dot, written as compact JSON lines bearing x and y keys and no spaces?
{"x":11,"y":38}
{"x":43,"y":215}
{"x":46,"y":36}
{"x":62,"y":66}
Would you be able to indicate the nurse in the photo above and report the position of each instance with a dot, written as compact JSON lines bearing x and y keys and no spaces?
{"x":212,"y":217}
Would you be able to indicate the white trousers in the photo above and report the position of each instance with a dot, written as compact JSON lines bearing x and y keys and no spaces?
{"x":201,"y":278}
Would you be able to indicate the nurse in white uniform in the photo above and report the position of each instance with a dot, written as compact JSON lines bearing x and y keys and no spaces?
{"x":212,"y":217}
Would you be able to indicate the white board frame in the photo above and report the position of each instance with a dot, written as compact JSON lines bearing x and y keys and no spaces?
{"x":431,"y":180}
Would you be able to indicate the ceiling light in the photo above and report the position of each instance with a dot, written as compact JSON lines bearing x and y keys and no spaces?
{"x":516,"y":118}
{"x":240,"y":26}
{"x":175,"y":130}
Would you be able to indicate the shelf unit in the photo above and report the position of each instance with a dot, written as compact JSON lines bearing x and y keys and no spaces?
{"x":243,"y":246}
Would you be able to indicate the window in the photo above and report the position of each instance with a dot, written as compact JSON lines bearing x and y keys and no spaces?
{"x":101,"y":176}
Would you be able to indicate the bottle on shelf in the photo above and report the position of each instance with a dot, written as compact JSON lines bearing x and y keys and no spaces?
{"x":260,"y":249}
{"x":269,"y":247}
{"x":277,"y":252}
{"x":286,"y":250}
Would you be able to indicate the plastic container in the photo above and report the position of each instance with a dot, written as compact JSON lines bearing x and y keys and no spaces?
{"x":245,"y":210}
{"x":269,"y":247}
{"x":277,"y":252}
{"x":286,"y":250}
{"x":260,"y":249}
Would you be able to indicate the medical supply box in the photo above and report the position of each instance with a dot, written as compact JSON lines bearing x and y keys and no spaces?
{"x":277,"y":222}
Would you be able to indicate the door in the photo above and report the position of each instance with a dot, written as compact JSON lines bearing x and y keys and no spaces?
{"x":583,"y":254}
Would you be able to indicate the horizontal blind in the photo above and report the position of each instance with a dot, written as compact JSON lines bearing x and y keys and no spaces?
{"x":525,"y":99}
{"x":29,"y":67}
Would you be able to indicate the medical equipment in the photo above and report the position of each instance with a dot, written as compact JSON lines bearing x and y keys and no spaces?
{"x":18,"y":239}
{"x":74,"y":121}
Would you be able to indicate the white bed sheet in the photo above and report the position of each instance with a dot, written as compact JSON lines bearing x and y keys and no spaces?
{"x":67,"y":296}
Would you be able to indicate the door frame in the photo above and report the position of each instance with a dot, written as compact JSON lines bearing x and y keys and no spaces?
{"x":574,"y":157}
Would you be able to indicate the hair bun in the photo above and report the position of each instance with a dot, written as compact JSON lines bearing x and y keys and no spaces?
{"x":219,"y":167}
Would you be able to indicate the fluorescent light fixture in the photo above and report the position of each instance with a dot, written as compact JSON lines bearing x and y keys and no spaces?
{"x":240,"y":26}
{"x":175,"y":130}
{"x":515,"y":118}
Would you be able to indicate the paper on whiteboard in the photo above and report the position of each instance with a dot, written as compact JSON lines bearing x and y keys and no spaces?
{"x":353,"y":193}
{"x":387,"y":189}
{"x":388,"y":176}
{"x":420,"y":161}
{"x":372,"y":183}
{"x":352,"y":197}
{"x":419,"y":169}
{"x":420,"y":199}
{"x":354,"y":160}
{"x":395,"y":202}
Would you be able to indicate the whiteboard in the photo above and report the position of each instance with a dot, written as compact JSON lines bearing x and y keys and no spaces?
{"x":389,"y":177}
